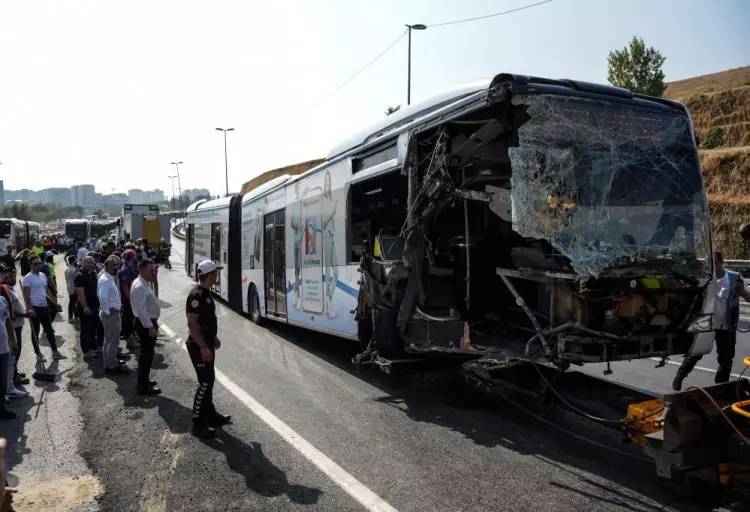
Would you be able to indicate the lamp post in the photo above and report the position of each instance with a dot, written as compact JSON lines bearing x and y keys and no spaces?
{"x":179,"y":187}
{"x":174,"y":201}
{"x":409,"y":28}
{"x":226,"y":164}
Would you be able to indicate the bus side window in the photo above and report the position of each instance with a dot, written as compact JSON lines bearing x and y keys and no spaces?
{"x":375,"y":207}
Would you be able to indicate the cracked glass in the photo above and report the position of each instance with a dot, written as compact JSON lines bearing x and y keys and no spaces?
{"x":613,"y":186}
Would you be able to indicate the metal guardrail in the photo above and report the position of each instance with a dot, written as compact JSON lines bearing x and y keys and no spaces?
{"x":179,"y":230}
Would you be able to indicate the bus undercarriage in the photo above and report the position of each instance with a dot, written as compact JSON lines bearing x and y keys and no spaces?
{"x":504,"y":253}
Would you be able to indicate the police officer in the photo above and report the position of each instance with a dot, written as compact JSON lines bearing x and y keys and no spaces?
{"x":202,"y":345}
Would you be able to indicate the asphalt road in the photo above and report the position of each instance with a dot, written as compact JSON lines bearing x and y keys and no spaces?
{"x":312,"y":432}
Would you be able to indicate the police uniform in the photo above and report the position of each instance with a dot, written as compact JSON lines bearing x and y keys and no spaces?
{"x":200,"y":302}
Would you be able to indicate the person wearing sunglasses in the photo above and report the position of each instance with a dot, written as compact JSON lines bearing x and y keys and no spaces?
{"x":36,"y":293}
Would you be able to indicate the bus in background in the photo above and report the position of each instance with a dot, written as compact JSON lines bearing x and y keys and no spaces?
{"x":33,"y":232}
{"x":213,"y":232}
{"x":513,"y":218}
{"x":77,"y":229}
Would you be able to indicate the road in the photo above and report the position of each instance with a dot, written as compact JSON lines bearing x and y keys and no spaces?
{"x":312,"y":432}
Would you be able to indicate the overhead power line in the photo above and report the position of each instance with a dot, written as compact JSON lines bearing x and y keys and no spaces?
{"x":395,"y":41}
{"x":464,"y":20}
{"x":356,"y":73}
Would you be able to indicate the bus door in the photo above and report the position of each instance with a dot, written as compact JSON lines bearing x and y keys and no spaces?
{"x":216,"y":250}
{"x":223,"y":259}
{"x":274,"y":263}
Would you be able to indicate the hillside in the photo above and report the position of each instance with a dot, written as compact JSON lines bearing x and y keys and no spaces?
{"x":720,"y":106}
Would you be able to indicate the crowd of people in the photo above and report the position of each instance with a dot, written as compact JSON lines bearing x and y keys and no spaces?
{"x":112,"y":289}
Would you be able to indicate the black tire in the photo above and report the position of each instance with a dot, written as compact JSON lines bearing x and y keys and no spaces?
{"x":387,"y":339}
{"x":253,"y":305}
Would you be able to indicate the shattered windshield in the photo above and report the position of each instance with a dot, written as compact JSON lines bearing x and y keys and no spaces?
{"x":610,"y":185}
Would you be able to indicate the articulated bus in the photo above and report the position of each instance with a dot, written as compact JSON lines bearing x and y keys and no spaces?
{"x":516,"y":217}
{"x":17,"y":235}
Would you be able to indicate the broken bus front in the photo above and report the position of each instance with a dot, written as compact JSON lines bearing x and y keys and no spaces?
{"x":551,"y":219}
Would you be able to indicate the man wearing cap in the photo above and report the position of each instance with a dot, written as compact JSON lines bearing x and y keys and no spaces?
{"x":146,"y":311}
{"x":202,"y":345}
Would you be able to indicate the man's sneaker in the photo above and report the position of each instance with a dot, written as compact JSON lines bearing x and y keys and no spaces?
{"x":153,"y":390}
{"x":5,"y":414}
{"x":219,"y":419}
{"x":20,"y":381}
{"x":40,"y":358}
{"x":203,"y":431}
{"x":14,"y":392}
{"x":90,"y":355}
{"x":21,"y":374}
{"x":58,"y":355}
{"x":677,"y":383}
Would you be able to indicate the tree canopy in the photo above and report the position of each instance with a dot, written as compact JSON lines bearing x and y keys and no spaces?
{"x":637,"y":68}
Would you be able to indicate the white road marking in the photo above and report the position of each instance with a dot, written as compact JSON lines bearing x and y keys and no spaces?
{"x":701,"y":368}
{"x":340,"y":477}
{"x":167,"y":330}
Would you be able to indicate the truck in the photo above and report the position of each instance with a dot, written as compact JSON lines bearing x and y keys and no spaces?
{"x":145,"y":221}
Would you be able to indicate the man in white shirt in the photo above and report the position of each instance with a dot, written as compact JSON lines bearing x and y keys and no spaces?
{"x":82,"y":252}
{"x":36,"y":294}
{"x":146,"y":311}
{"x":729,"y":288}
{"x":109,"y":313}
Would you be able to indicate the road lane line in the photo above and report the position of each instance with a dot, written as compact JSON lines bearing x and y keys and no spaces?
{"x":336,"y":473}
{"x":701,"y":368}
{"x":167,"y":330}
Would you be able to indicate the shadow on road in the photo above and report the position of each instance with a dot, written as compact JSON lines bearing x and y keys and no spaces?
{"x":261,"y":475}
{"x":437,"y":394}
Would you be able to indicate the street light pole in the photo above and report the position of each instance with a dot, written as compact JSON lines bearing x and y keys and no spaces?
{"x":409,"y":28}
{"x":226,"y":163}
{"x":179,"y":187}
{"x":174,"y":201}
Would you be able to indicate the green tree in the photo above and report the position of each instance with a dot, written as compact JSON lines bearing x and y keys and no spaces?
{"x":637,"y":68}
{"x":18,"y":210}
{"x":391,"y":110}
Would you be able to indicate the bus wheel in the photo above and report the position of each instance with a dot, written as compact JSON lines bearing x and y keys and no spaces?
{"x":387,"y":338}
{"x":253,"y":304}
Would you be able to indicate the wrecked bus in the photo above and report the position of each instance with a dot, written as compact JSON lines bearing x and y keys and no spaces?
{"x":517,"y":217}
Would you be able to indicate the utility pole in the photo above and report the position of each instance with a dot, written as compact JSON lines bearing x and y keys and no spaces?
{"x":226,"y":164}
{"x":179,"y":187}
{"x":409,"y":28}
{"x":174,"y":201}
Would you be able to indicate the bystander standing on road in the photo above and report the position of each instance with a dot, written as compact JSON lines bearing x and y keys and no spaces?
{"x":70,"y":274}
{"x":146,"y":311}
{"x":80,"y":254}
{"x":88,"y":303}
{"x":126,"y":275}
{"x":17,"y":314}
{"x":36,"y":295}
{"x":109,"y":312}
{"x":5,"y":354}
{"x":23,"y":259}
{"x":729,"y":289}
{"x":202,"y":344}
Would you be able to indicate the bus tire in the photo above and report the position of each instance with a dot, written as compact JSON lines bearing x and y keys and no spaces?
{"x":387,"y":339}
{"x":253,"y":305}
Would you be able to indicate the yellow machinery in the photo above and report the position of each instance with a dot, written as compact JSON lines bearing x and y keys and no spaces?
{"x":704,"y":430}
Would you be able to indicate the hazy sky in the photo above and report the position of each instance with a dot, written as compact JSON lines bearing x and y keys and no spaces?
{"x":109,"y":92}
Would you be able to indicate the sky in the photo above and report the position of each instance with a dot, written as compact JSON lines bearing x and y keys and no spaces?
{"x":110,"y":92}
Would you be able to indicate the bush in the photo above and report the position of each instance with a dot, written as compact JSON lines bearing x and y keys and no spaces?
{"x":714,"y":138}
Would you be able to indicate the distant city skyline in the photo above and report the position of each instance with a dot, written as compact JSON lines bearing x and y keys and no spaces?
{"x":81,"y":195}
